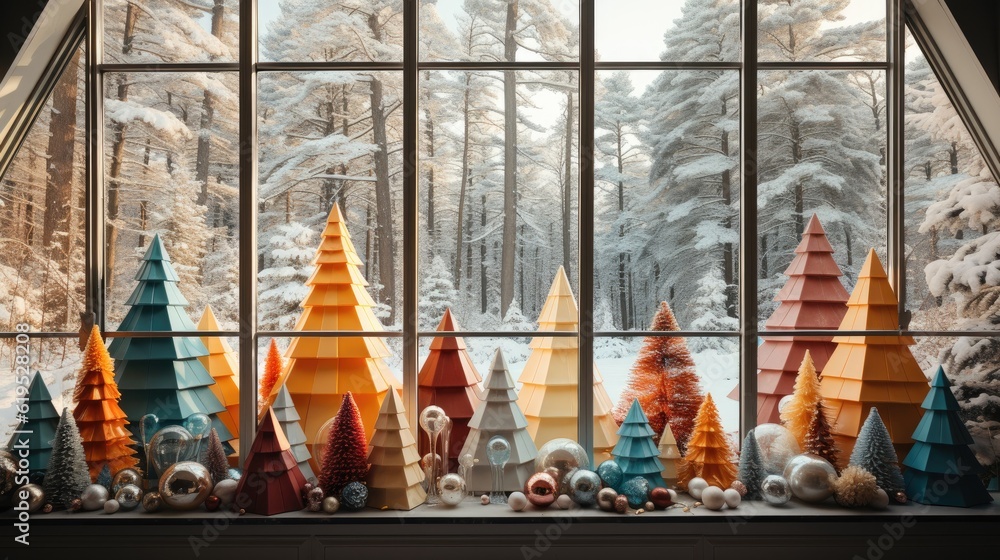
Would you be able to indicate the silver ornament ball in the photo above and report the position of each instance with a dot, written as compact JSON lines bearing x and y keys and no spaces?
{"x":123,"y":477}
{"x":128,"y":496}
{"x":584,"y":486}
{"x":810,"y":477}
{"x":451,"y":487}
{"x":93,"y":497}
{"x":775,"y":490}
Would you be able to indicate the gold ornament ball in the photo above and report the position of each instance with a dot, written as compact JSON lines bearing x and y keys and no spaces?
{"x":32,"y":495}
{"x":330,"y":504}
{"x":451,"y":488}
{"x":76,"y":504}
{"x":185,"y":485}
{"x":650,"y":506}
{"x":125,"y":477}
{"x":152,"y":502}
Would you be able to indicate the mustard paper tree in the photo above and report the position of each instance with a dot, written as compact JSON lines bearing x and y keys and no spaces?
{"x":550,"y":382}
{"x":321,"y":370}
{"x":873,"y":371}
{"x":222,"y":366}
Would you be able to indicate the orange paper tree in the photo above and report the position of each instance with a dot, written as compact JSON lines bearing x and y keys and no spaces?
{"x":321,"y":370}
{"x":449,"y":379}
{"x":664,"y":380}
{"x":550,"y":382}
{"x":708,"y":453}
{"x":813,"y":298}
{"x":101,"y":421}
{"x":873,"y":371}
{"x":799,"y":412}
{"x":268,"y":381}
{"x":222,"y":366}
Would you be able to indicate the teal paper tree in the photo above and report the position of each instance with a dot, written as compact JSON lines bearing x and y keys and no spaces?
{"x":874,"y":452}
{"x":37,"y":427}
{"x":636,"y":452}
{"x":162,"y":376}
{"x":288,"y":419}
{"x":941,"y":468}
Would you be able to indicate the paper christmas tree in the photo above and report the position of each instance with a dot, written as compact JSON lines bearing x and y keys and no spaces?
{"x":321,"y":370}
{"x":98,"y":417}
{"x":751,"y":469}
{"x":874,"y":452}
{"x":670,"y":456}
{"x":162,"y":375}
{"x":664,"y":380}
{"x":288,"y":419}
{"x":270,"y":460}
{"x":36,"y":432}
{"x":346,"y":456}
{"x":395,"y":474}
{"x":222,"y":365}
{"x":636,"y":452}
{"x":812,"y":299}
{"x":499,"y":415}
{"x":449,"y":380}
{"x":799,"y":412}
{"x":550,"y":382}
{"x":66,"y":475}
{"x":869,"y":371}
{"x":708,"y":453}
{"x":942,"y":469}
{"x":269,"y":380}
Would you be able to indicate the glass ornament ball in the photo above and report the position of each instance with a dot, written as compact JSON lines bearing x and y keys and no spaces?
{"x":606,"y":499}
{"x":36,"y":497}
{"x":451,"y":488}
{"x":152,"y":502}
{"x":784,"y":403}
{"x":128,"y":496}
{"x":199,"y":425}
{"x":541,"y":489}
{"x":775,"y":490}
{"x":354,"y":496}
{"x":322,"y":438}
{"x":777,"y":447}
{"x":185,"y":485}
{"x":170,"y":445}
{"x":696,"y":486}
{"x":810,"y":477}
{"x":498,"y":450}
{"x":93,"y":497}
{"x":584,"y":486}
{"x":563,"y":455}
{"x":610,"y":473}
{"x":124,"y":477}
{"x":433,"y":419}
{"x":636,"y":491}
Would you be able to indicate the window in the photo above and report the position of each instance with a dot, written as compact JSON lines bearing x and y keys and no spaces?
{"x":584,"y":213}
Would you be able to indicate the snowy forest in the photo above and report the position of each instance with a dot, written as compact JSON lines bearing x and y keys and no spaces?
{"x":499,"y":177}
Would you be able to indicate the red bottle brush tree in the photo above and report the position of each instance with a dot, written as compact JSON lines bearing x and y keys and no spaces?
{"x":664,"y":381}
{"x":346,"y":457}
{"x":272,"y":371}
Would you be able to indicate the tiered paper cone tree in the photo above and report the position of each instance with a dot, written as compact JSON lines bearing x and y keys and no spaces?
{"x":100,"y":420}
{"x":799,"y":412}
{"x":670,"y":456}
{"x":273,"y":367}
{"x":636,"y":452}
{"x":708,"y":453}
{"x":665,"y":381}
{"x":813,"y":298}
{"x":288,"y":419}
{"x":550,"y":382}
{"x":449,"y":380}
{"x":346,"y":457}
{"x":163,"y":375}
{"x":38,"y":427}
{"x":321,"y":370}
{"x":941,"y":468}
{"x":395,"y":474}
{"x":869,"y":371}
{"x":498,"y":415}
{"x":222,"y":365}
{"x":271,"y":482}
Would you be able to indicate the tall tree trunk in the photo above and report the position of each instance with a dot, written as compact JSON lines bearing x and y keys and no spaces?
{"x":764,"y":272}
{"x":567,"y":207}
{"x":728,"y":258}
{"x":510,"y":163}
{"x":520,"y":268}
{"x":203,"y":158}
{"x":460,"y":239}
{"x":799,"y":195}
{"x":429,"y":133}
{"x":623,"y":304}
{"x":483,"y":288}
{"x":383,"y":194}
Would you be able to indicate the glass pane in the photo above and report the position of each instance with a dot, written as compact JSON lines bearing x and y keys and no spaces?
{"x":320,"y":31}
{"x":822,"y":152}
{"x":171,"y":31}
{"x":330,"y":139}
{"x":498,"y":192}
{"x":58,"y":360}
{"x":952,"y":212}
{"x":671,"y":30}
{"x":820,"y":30}
{"x":171,"y":151}
{"x":42,"y":207}
{"x":667,"y":198}
{"x":500,"y":31}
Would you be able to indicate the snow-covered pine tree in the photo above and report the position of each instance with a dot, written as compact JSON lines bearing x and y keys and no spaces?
{"x":67,"y":475}
{"x":286,"y":263}
{"x":707,"y":310}
{"x":437,"y":293}
{"x":874,"y":452}
{"x":751,"y":470}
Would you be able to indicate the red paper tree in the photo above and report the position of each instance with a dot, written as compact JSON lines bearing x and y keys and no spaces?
{"x":346,"y":456}
{"x":271,"y":482}
{"x":102,"y":422}
{"x":449,"y":379}
{"x":708,"y":455}
{"x":664,"y":380}
{"x":812,"y":299}
{"x":272,"y":371}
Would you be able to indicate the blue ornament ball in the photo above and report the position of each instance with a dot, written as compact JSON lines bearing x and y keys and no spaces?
{"x":354,"y":496}
{"x":584,"y":486}
{"x":636,"y":490}
{"x":610,"y":473}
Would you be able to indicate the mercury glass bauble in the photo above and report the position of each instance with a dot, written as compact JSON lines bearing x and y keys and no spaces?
{"x":185,"y":485}
{"x":810,"y":477}
{"x":775,"y":490}
{"x":584,"y":486}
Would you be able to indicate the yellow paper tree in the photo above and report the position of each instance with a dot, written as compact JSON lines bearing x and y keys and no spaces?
{"x":708,"y":453}
{"x":221,"y":364}
{"x":321,"y":370}
{"x":550,"y":382}
{"x":395,"y":474}
{"x":873,"y":371}
{"x":670,"y":456}
{"x":102,"y":422}
{"x":799,"y":412}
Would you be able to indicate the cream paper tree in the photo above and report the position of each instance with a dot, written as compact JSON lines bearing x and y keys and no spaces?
{"x":670,"y":456}
{"x":222,"y":365}
{"x":395,"y":474}
{"x":321,"y":370}
{"x":550,"y":382}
